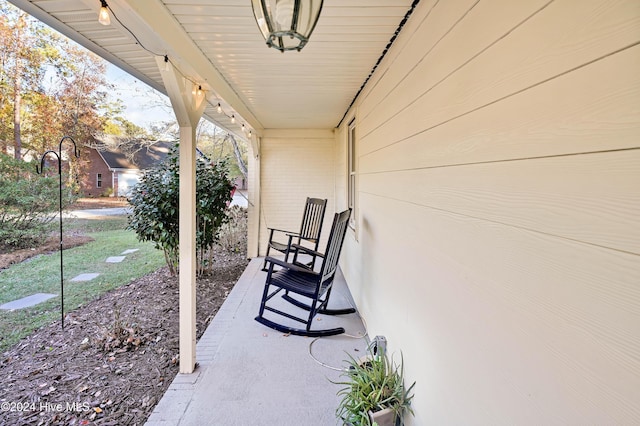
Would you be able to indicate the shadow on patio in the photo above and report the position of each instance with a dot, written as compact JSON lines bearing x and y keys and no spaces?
{"x":249,"y":374}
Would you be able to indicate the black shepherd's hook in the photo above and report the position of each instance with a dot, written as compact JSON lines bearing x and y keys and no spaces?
{"x":40,"y":169}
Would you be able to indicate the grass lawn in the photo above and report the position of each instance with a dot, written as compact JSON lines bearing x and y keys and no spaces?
{"x":42,"y":275}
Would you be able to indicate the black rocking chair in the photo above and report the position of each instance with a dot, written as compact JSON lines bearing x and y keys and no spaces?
{"x":313,"y":285}
{"x":309,"y":231}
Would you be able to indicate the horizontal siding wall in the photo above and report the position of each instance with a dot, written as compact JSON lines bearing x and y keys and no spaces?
{"x":294,"y":164}
{"x":498,"y":239}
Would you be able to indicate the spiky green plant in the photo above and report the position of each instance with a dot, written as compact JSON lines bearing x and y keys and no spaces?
{"x":373,"y":384}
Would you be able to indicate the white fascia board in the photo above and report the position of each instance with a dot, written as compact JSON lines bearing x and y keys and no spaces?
{"x":160,"y":24}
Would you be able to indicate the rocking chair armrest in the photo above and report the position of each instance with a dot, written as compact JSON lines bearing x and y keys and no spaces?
{"x":289,"y":266}
{"x":283,"y":230}
{"x":307,"y":250}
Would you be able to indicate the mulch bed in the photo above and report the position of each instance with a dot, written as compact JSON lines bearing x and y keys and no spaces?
{"x":98,"y":203}
{"x":116,"y":356}
{"x":50,"y":245}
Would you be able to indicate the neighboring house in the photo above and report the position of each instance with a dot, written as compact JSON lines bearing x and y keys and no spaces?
{"x":113,"y":173}
{"x":240,"y":183}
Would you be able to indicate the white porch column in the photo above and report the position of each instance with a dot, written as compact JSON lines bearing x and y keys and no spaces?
{"x":188,"y":109}
{"x":253,"y":226}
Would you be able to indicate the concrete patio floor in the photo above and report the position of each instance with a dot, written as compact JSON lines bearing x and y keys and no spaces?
{"x":249,"y":374}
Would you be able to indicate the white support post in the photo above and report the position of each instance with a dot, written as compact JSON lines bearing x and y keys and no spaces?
{"x":187,"y":245}
{"x":188,"y":109}
{"x":253,"y":231}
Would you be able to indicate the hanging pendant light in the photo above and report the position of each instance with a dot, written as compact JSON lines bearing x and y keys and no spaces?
{"x":286,"y":24}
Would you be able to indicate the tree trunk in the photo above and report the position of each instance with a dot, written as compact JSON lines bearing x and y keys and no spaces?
{"x":17,"y":82}
{"x":16,"y":117}
{"x":236,"y":150}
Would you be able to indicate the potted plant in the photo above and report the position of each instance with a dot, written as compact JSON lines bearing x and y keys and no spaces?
{"x":374,"y":392}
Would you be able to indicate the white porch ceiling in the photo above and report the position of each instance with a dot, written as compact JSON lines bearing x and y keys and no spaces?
{"x":217,"y":43}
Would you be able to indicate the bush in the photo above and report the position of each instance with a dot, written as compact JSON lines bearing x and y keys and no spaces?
{"x":154,"y":202}
{"x":28,"y":201}
{"x":233,"y":234}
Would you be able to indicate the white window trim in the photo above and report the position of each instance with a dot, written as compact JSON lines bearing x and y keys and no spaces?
{"x":352,"y":173}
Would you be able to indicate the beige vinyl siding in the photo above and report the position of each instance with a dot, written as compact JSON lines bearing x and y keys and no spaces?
{"x":499,"y":203}
{"x":294,"y":164}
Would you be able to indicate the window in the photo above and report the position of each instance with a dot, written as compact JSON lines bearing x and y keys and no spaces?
{"x":99,"y":180}
{"x":352,"y":172}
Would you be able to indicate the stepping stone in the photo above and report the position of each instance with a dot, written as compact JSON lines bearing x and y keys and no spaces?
{"x":84,"y":277}
{"x":28,"y":301}
{"x":129,"y":251}
{"x":115,"y":259}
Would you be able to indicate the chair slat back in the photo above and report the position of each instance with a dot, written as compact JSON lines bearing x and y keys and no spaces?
{"x":312,"y":219}
{"x":334,"y":245}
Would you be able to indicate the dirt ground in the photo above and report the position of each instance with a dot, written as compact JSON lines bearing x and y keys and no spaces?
{"x":116,"y":356}
{"x":99,"y":203}
{"x":52,"y":244}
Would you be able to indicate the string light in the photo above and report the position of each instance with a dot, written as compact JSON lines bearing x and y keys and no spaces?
{"x":199,"y":92}
{"x":246,"y":130}
{"x":103,"y":15}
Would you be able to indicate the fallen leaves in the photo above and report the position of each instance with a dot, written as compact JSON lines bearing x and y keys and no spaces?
{"x":116,"y":368}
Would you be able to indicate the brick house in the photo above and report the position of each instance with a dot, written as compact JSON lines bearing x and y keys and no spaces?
{"x":113,"y":173}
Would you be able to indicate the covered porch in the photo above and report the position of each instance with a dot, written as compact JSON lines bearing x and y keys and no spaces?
{"x":249,"y":374}
{"x":490,"y":152}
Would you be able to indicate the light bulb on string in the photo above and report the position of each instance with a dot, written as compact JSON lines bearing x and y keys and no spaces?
{"x":103,"y":15}
{"x":197,"y":90}
{"x":219,"y":108}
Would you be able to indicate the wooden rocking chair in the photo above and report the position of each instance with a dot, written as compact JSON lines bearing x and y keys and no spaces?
{"x":305,"y":282}
{"x":310,"y":229}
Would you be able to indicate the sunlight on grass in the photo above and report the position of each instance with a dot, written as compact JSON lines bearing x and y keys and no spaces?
{"x":42,"y":275}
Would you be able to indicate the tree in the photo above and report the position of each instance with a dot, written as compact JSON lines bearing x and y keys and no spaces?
{"x":49,"y":86}
{"x":81,"y":93}
{"x":154,"y":202}
{"x":27,"y":201}
{"x":120,"y":126}
{"x":217,"y":144}
{"x":27,"y":49}
{"x":17,"y":83}
{"x":242,"y":166}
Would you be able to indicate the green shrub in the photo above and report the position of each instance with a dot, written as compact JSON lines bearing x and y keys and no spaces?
{"x":154,"y":202}
{"x":28,"y":201}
